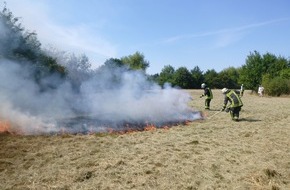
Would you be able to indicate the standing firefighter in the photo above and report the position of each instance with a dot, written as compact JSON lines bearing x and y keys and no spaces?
{"x":235,"y":103}
{"x":208,"y":95}
{"x":242,"y":90}
{"x":260,"y":90}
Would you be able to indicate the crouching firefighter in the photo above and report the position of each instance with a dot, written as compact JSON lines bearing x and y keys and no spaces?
{"x":235,"y":103}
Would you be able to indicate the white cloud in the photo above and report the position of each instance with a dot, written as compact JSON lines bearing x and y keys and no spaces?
{"x":225,"y":36}
{"x":226,"y":39}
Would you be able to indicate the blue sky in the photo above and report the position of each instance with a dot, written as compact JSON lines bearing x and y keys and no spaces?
{"x":211,"y":34}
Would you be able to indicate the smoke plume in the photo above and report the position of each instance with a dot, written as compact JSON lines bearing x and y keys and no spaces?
{"x":100,"y":103}
{"x":86,"y":100}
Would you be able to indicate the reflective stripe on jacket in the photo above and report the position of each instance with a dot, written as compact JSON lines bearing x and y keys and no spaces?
{"x":234,"y":99}
{"x":208,"y":93}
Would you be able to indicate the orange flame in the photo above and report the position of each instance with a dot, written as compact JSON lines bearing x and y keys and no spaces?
{"x":7,"y":127}
{"x":150,"y":127}
{"x":165,"y":127}
{"x":4,"y":126}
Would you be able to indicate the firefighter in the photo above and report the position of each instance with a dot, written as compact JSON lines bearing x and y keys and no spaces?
{"x":208,"y":95}
{"x":260,"y":90}
{"x":242,"y":90}
{"x":235,"y":103}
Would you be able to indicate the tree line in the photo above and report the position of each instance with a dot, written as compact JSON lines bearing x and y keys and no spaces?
{"x":268,"y":70}
{"x":18,"y":44}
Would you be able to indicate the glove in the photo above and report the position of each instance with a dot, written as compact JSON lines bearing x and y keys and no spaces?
{"x":223,"y":108}
{"x":201,"y":96}
{"x":227,"y":110}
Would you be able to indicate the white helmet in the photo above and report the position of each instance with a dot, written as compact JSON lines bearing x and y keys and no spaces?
{"x":224,"y":90}
{"x":203,"y":85}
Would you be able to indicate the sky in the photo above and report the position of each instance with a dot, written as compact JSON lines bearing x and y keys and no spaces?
{"x":209,"y":34}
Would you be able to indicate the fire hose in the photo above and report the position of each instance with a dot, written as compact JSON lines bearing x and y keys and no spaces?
{"x":215,"y":114}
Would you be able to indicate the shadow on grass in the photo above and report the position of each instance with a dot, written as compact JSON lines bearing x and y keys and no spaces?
{"x":250,"y":119}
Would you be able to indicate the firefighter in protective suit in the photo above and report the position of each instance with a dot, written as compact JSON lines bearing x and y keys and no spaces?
{"x":208,"y":95}
{"x":235,"y":103}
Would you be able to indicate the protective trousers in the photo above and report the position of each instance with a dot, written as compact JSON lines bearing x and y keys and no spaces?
{"x":207,"y":103}
{"x":235,"y":113}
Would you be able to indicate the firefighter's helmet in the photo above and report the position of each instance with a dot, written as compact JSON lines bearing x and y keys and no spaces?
{"x":225,"y":90}
{"x":203,"y":85}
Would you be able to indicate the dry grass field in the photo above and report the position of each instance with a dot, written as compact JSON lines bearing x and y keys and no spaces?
{"x":214,"y":153}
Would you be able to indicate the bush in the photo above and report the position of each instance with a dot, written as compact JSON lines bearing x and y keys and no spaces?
{"x":276,"y":86}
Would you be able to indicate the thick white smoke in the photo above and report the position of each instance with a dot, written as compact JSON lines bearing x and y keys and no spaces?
{"x":98,"y":104}
{"x":86,"y":100}
{"x":23,"y":105}
{"x":131,"y":101}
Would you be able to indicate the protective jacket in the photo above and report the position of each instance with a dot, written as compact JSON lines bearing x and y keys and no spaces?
{"x":233,"y":98}
{"x":207,"y":93}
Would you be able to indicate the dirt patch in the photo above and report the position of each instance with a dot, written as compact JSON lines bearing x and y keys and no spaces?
{"x":214,"y":153}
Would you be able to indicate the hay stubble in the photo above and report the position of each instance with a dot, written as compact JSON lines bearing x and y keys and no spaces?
{"x":214,"y":153}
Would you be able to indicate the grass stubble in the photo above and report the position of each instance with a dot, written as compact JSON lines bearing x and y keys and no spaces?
{"x":214,"y":153}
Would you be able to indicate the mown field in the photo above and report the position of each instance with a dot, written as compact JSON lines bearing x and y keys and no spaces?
{"x":214,"y":153}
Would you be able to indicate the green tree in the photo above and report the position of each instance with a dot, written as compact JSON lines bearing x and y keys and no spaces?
{"x":285,"y":73}
{"x":111,"y":74}
{"x":136,"y":61}
{"x":114,"y":62}
{"x":182,"y":78}
{"x":210,"y":78}
{"x":228,"y":78}
{"x":166,"y":75}
{"x":23,"y":47}
{"x":16,"y":43}
{"x":251,"y":73}
{"x":276,"y":86}
{"x":197,"y":77}
{"x":46,"y":68}
{"x":153,"y":78}
{"x":262,"y":70}
{"x":277,"y":66}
